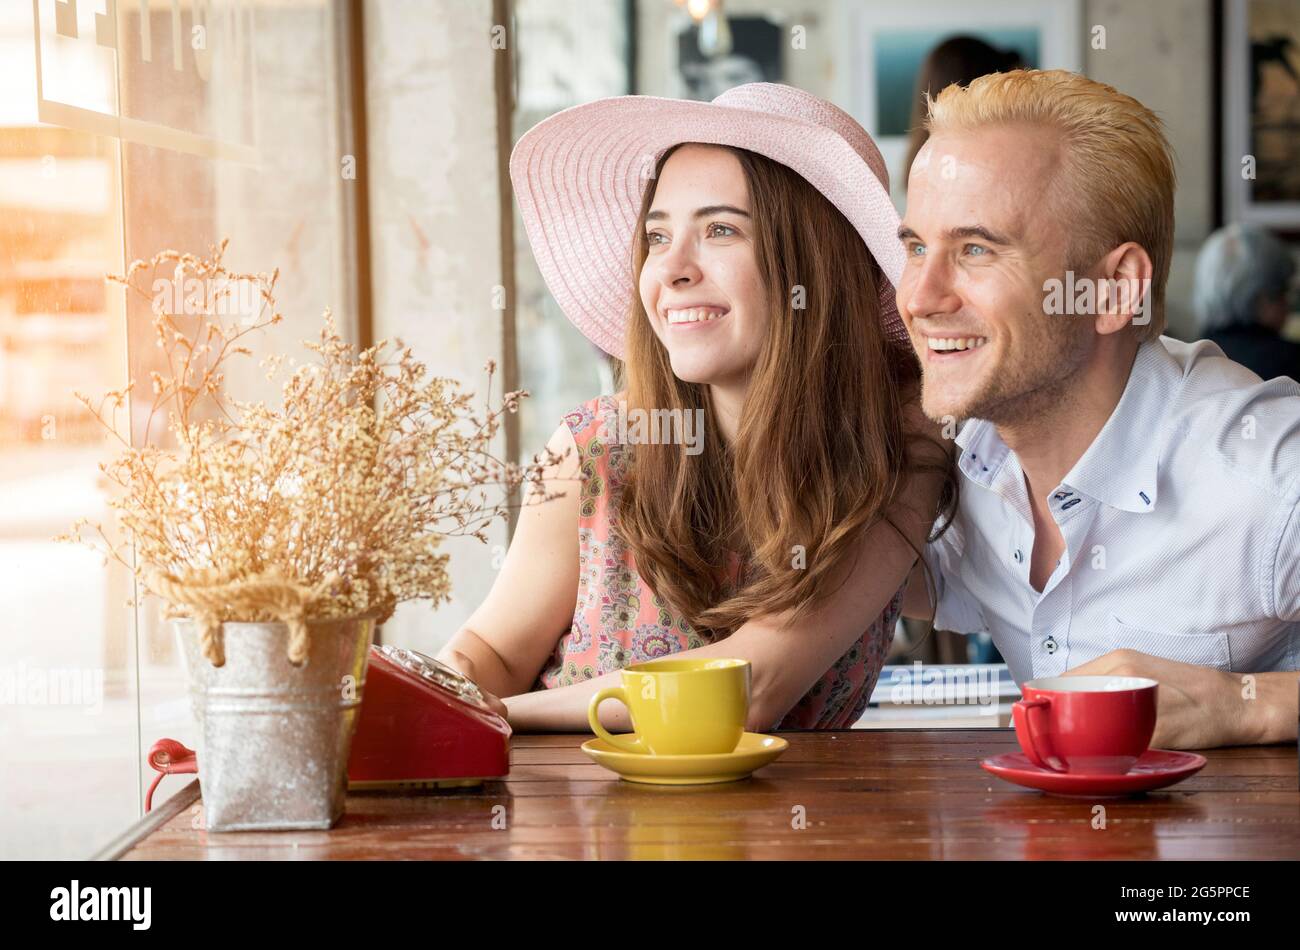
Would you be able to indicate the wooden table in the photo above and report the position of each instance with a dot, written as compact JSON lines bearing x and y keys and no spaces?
{"x":870,"y":794}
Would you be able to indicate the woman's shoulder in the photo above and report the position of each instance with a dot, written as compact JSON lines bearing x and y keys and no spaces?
{"x":595,"y":418}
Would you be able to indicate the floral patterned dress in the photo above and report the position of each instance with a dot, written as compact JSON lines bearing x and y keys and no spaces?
{"x":618,"y":620}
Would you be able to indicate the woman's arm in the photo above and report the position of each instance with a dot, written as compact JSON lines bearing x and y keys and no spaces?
{"x":917,"y":602}
{"x":505,"y":642}
{"x":787,"y":659}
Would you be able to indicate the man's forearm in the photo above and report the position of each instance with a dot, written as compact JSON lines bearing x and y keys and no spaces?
{"x":1275,"y":708}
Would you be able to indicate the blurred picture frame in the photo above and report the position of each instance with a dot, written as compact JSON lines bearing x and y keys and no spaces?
{"x":1259,"y":106}
{"x":755,"y":56}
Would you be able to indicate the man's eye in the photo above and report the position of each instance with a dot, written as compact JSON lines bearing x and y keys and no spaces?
{"x":976,"y":250}
{"x":725,"y":227}
{"x":916,"y":250}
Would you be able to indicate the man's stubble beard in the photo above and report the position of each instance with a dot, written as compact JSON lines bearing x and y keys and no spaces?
{"x":1015,"y":398}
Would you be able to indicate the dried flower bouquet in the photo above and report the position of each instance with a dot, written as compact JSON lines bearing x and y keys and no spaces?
{"x":332,"y":505}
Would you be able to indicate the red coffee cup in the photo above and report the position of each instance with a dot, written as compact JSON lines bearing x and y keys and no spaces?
{"x":1098,"y":725}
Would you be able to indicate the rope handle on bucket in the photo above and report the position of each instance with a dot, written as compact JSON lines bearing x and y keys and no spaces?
{"x":169,"y":757}
{"x":206,"y":595}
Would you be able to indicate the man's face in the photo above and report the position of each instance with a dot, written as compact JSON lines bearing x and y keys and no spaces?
{"x":983,"y":232}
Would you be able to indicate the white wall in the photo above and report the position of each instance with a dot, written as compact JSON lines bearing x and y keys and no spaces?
{"x":1161,"y":54}
{"x":434,"y":209}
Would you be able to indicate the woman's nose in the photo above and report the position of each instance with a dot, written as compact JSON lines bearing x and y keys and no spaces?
{"x":678,"y":267}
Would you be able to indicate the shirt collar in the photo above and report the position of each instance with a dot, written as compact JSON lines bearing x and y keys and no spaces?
{"x":1119,"y":468}
{"x":983,"y":453}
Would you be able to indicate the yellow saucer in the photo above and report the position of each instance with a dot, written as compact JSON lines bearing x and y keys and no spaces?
{"x":753,"y":752}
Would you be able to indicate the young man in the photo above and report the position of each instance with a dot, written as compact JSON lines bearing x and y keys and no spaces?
{"x":1130,"y":504}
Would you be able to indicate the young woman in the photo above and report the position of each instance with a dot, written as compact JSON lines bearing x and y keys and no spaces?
{"x":737,"y":256}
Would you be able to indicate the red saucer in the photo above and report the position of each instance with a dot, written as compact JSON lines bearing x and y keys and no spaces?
{"x":1156,"y":769}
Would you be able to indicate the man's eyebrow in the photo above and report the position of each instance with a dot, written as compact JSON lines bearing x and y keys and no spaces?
{"x":955,"y":234}
{"x":977,"y":231}
{"x":702,"y":212}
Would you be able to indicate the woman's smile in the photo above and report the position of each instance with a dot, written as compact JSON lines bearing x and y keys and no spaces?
{"x":693,"y":318}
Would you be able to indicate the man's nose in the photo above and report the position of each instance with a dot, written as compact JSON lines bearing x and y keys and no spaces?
{"x":931,"y":290}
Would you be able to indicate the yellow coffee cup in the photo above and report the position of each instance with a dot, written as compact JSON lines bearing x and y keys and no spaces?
{"x":679,"y":707}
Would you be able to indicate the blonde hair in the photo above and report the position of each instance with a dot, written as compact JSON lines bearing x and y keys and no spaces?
{"x":1115,"y":152}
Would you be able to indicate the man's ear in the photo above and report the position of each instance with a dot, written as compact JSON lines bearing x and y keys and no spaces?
{"x":1124,"y":288}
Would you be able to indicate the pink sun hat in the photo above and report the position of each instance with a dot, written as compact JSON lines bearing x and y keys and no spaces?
{"x":580,"y":174}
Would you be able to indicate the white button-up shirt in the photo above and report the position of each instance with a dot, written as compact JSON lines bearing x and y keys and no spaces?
{"x":1181,"y":524}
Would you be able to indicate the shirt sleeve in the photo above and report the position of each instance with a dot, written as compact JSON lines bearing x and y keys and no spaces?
{"x":957,"y":610}
{"x":1286,"y":569}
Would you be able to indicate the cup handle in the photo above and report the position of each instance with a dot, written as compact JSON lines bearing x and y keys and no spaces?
{"x":593,"y":718}
{"x":1020,"y":716}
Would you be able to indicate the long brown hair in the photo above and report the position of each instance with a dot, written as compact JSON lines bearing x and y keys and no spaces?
{"x":820,"y":453}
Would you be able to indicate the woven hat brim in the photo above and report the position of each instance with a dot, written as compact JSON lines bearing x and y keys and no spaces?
{"x":579,"y":176}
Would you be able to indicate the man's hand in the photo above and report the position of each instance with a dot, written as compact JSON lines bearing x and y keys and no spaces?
{"x":1196,"y":707}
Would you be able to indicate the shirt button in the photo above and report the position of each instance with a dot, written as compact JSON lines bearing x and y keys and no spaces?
{"x":1018,"y":556}
{"x":1050,"y":644}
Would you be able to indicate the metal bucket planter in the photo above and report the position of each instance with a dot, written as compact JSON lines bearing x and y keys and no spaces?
{"x":275,"y":737}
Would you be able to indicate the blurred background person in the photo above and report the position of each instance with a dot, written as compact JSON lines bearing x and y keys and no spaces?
{"x":958,"y":59}
{"x":1240,"y":295}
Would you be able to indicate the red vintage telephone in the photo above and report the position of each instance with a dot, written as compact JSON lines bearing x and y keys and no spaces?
{"x":422,"y":725}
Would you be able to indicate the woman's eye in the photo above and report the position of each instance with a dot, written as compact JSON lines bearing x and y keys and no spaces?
{"x":652,"y":237}
{"x":916,"y":250}
{"x":728,"y":229}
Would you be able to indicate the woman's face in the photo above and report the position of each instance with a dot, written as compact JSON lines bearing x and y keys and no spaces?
{"x":700,"y":284}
